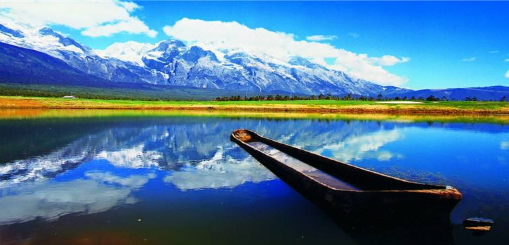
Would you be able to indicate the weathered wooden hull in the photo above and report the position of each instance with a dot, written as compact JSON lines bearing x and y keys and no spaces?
{"x":402,"y":201}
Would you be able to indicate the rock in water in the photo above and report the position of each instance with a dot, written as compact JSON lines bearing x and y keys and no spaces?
{"x":478,"y":224}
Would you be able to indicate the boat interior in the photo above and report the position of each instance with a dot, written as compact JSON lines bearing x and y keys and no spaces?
{"x":329,"y":172}
{"x":302,"y":167}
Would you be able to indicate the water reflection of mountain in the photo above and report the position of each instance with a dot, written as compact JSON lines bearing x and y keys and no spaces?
{"x":21,"y":139}
{"x":177,"y":143}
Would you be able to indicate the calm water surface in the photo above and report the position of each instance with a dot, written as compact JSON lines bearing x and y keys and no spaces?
{"x":179,"y":180}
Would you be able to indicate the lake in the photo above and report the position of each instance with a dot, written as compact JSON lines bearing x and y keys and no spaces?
{"x":177,"y":179}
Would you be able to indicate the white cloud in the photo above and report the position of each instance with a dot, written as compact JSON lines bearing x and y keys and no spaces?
{"x":133,"y":25}
{"x":469,"y":59}
{"x":389,"y":60}
{"x":507,"y":74}
{"x":220,"y":35}
{"x":129,"y":6}
{"x":354,"y":34}
{"x":506,"y":60}
{"x":321,"y":37}
{"x":494,"y":52}
{"x":93,"y":17}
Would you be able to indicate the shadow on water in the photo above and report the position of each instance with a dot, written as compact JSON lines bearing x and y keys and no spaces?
{"x":392,"y":229}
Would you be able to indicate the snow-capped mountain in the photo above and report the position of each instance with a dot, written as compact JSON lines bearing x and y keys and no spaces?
{"x":128,"y":51}
{"x":78,"y":56}
{"x":175,"y":63}
{"x":44,"y":40}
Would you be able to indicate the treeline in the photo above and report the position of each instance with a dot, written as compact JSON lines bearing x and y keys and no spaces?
{"x":380,"y":97}
{"x":160,"y":94}
{"x":79,"y":93}
{"x":293,"y":97}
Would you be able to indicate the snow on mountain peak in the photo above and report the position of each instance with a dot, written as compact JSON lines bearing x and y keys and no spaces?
{"x":129,"y":51}
{"x":42,"y":39}
{"x":173,"y":62}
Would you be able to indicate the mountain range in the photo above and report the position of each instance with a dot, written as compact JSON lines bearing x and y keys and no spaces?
{"x":43,"y":56}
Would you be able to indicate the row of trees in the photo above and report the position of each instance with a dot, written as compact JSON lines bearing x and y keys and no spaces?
{"x":380,"y":97}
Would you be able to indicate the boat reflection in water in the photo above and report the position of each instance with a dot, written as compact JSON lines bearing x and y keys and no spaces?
{"x":357,"y":199}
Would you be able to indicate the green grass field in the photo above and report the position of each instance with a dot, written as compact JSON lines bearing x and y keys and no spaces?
{"x":312,"y":106}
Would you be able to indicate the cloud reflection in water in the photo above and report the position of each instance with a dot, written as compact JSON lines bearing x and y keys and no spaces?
{"x":219,"y":172}
{"x":363,"y":146}
{"x":50,"y":199}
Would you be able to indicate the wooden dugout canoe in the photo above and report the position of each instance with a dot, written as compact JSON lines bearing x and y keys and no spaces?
{"x":351,"y":193}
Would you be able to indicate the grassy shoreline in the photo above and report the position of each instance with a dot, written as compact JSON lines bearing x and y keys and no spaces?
{"x":305,"y":106}
{"x":17,"y":114}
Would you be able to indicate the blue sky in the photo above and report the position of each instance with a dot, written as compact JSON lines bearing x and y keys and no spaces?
{"x":436,"y":44}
